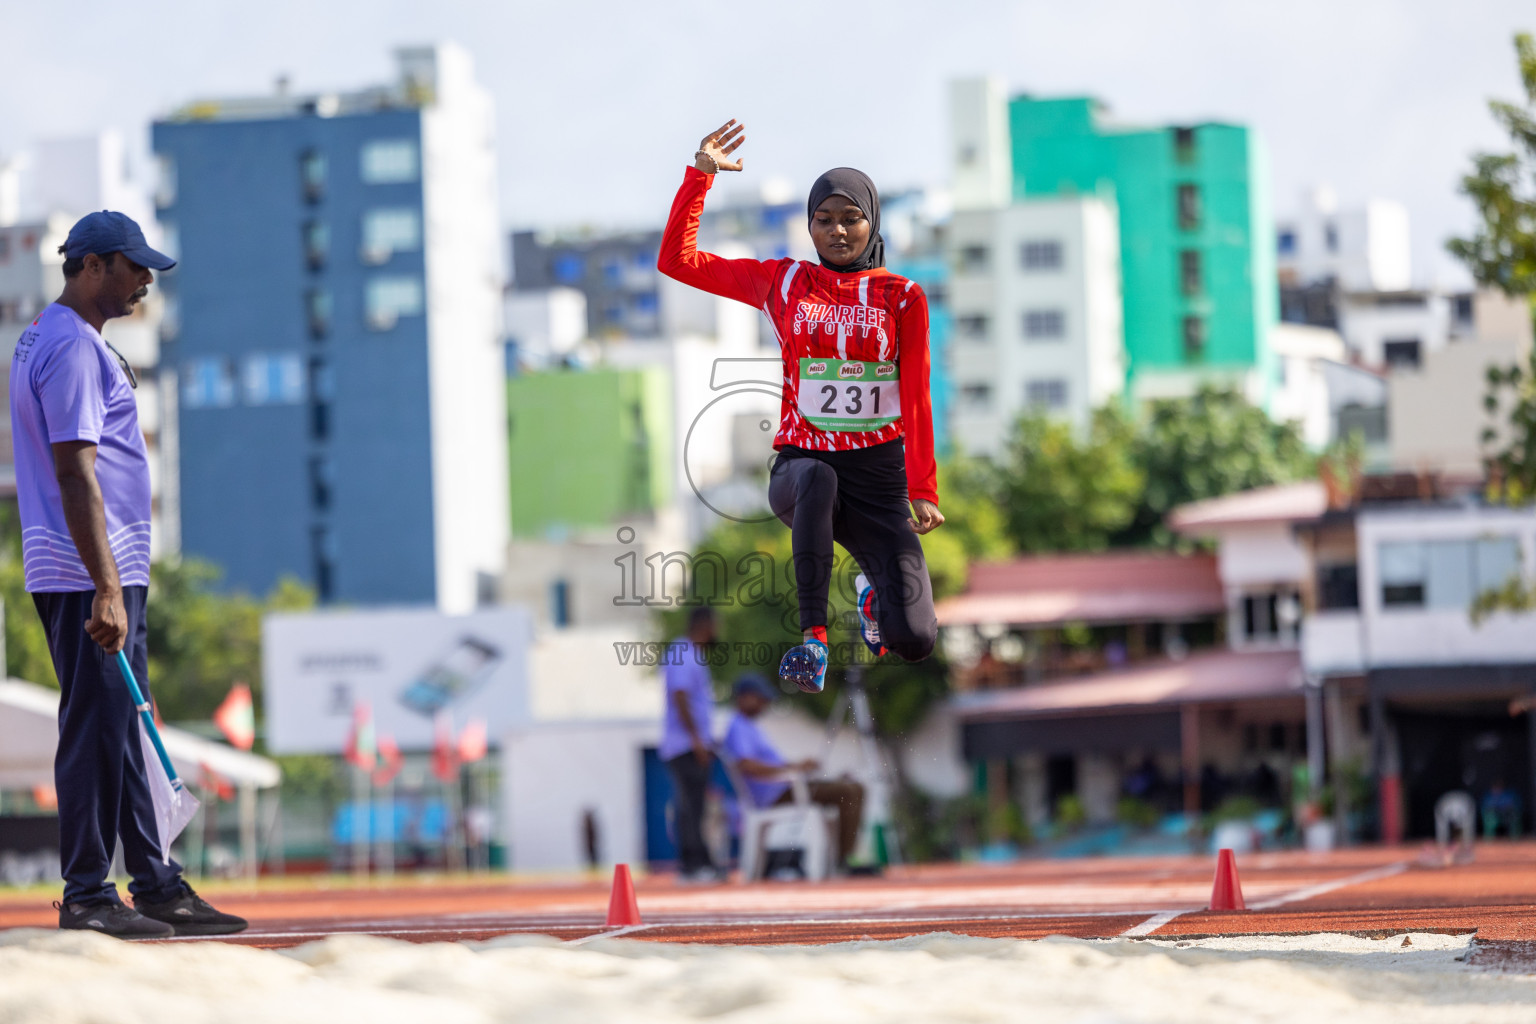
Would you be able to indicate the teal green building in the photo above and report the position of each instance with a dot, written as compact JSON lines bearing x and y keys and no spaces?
{"x":587,"y":448}
{"x":1196,"y":232}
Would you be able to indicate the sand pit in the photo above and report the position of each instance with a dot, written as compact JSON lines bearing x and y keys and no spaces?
{"x":58,"y":978}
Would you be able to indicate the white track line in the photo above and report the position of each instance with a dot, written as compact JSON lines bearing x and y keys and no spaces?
{"x":1326,"y":887}
{"x":626,"y":930}
{"x":1157,"y":921}
{"x":1152,"y":924}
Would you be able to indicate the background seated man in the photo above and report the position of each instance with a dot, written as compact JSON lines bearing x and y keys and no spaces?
{"x":763,"y":767}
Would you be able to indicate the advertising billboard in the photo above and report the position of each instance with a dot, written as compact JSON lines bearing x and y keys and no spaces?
{"x":405,"y":664}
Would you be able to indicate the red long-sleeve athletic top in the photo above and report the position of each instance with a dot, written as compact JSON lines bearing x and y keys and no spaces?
{"x":855,"y":346}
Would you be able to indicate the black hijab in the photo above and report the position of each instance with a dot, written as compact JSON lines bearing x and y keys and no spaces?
{"x":856,"y":187}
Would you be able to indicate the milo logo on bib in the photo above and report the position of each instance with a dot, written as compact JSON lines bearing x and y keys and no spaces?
{"x":849,"y":395}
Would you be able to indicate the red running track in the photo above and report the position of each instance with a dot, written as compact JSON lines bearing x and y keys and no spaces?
{"x":1372,"y":892}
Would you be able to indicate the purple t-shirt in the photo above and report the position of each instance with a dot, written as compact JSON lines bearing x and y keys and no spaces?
{"x":743,"y":739}
{"x":685,"y":671}
{"x":67,"y":386}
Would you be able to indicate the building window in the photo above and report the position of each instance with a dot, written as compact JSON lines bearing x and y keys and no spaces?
{"x":1045,"y":394}
{"x":323,"y":546}
{"x":977,"y":397}
{"x":390,"y":298}
{"x":1189,"y":207}
{"x":272,"y":379}
{"x":1184,"y":145}
{"x":5,"y":248}
{"x":170,"y":315}
{"x":208,"y":383}
{"x":312,"y":172}
{"x":646,"y":303}
{"x":1445,"y":574}
{"x":570,"y":268}
{"x":613,"y":272}
{"x":1338,"y":586}
{"x":1331,"y":237}
{"x":1189,"y":272}
{"x":322,"y":480}
{"x":1045,"y":324}
{"x":1285,"y":242}
{"x":170,"y":240}
{"x":1401,"y":353}
{"x":1269,"y":617}
{"x":389,"y":162}
{"x":973,"y":259}
{"x":389,"y":230}
{"x":165,"y":181}
{"x":322,"y":391}
{"x":317,"y":243}
{"x":972,"y":326}
{"x":1040,"y":255}
{"x":317,"y":307}
{"x":560,"y":603}
{"x":1194,"y":338}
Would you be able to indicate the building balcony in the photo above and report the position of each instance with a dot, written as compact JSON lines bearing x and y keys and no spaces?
{"x":1331,"y":642}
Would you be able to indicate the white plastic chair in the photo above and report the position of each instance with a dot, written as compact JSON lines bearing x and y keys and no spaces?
{"x":812,"y":825}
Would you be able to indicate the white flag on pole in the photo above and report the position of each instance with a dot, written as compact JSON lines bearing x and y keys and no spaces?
{"x":174,"y":803}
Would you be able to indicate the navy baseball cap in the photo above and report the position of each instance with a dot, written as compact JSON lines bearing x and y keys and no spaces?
{"x":753,"y":684}
{"x":107,"y":231}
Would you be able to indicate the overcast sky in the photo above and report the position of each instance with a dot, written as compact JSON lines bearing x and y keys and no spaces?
{"x":600,"y":102}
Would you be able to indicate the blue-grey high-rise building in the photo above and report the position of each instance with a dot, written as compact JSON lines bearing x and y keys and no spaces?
{"x":335,"y":325}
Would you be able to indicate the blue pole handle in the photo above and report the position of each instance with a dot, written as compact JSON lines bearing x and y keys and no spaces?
{"x":146,"y":715}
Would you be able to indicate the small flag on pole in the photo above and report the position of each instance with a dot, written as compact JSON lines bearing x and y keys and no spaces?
{"x":472,"y":742}
{"x":218,"y":785}
{"x":361,"y":745}
{"x":390,"y":761}
{"x":236,"y":717}
{"x":174,"y":804}
{"x":445,"y":754}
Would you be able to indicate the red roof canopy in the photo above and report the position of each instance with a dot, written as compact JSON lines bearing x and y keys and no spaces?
{"x":1110,"y":587}
{"x":1210,"y":676}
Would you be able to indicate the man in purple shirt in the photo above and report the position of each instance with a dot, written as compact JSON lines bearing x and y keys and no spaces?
{"x":82,"y":487}
{"x":687,"y":740}
{"x":763,"y":767}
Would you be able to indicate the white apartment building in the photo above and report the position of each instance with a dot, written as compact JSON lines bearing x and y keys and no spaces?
{"x":1038,"y":315}
{"x":1402,"y":684}
{"x":1364,"y":249}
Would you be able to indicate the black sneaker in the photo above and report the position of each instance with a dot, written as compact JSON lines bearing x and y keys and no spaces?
{"x":111,"y":918}
{"x":190,"y":914}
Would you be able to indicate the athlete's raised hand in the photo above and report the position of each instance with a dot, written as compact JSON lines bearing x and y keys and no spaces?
{"x":716,"y":149}
{"x":925,"y":516}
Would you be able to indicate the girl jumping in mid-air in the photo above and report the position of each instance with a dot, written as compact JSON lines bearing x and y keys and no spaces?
{"x":855,"y":438}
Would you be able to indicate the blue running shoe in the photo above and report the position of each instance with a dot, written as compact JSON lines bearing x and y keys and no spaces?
{"x":868,"y":627}
{"x":806,"y":666}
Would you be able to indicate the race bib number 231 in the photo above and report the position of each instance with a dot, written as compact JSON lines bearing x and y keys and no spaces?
{"x":848,"y":394}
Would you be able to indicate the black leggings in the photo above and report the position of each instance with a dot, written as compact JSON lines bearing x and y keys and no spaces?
{"x":859,"y":500}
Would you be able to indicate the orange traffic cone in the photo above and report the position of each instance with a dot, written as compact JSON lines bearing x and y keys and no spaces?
{"x":623,"y":909}
{"x":1227,"y":892}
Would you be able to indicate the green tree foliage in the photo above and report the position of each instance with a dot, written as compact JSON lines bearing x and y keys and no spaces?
{"x":1214,"y":443}
{"x":1056,"y":492}
{"x":1501,"y":254}
{"x":203,"y":641}
{"x":26,"y":648}
{"x":1502,"y":251}
{"x":757,"y":610}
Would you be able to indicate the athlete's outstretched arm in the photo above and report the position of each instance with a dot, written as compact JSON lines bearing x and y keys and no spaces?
{"x":917,"y":409}
{"x":746,"y":281}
